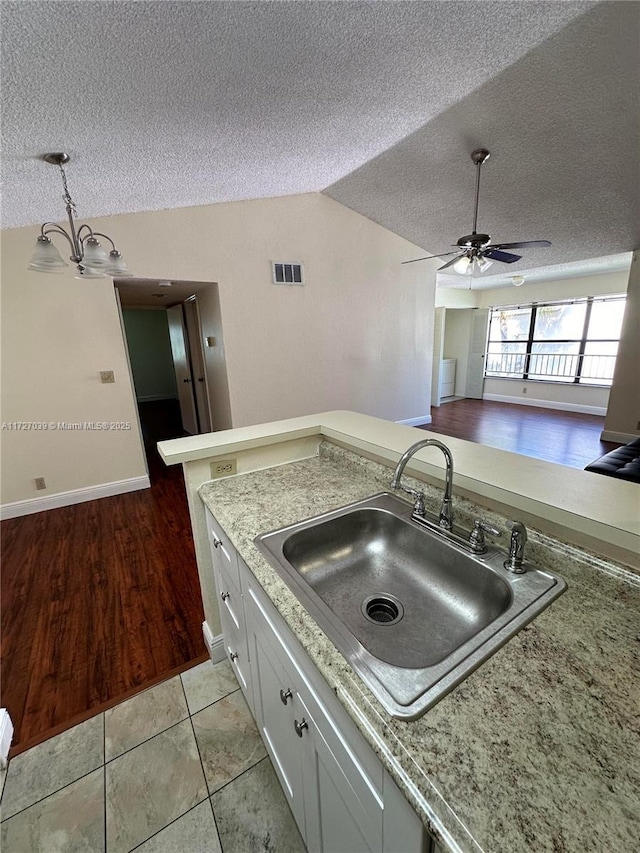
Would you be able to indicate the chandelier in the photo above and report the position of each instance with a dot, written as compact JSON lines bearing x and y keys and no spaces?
{"x":91,"y":259}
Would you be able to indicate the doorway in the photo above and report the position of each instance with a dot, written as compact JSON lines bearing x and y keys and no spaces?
{"x":459,"y":353}
{"x":164,"y":344}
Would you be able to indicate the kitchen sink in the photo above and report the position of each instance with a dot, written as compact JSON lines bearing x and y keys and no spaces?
{"x":413,"y":611}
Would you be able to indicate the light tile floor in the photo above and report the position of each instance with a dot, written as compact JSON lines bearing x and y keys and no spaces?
{"x":179,"y":768}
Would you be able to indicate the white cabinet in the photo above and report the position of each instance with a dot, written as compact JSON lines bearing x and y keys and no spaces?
{"x":227,"y":580}
{"x":339,"y":793}
{"x":447,"y":377}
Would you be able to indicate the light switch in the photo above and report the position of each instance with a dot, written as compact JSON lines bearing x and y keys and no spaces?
{"x":107,"y":376}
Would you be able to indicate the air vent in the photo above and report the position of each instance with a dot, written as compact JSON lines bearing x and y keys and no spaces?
{"x":287,"y":273}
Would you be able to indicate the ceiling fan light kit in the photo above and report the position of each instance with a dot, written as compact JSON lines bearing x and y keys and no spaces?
{"x":475,"y":251}
{"x":91,"y":259}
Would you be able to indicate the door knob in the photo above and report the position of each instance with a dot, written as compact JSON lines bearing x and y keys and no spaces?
{"x":224,"y":595}
{"x":284,"y":696}
{"x":300,"y":726}
{"x":217,"y":542}
{"x":233,"y":656}
{"x":186,"y":380}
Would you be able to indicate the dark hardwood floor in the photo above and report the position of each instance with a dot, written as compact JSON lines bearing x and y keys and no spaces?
{"x":99,"y":600}
{"x":567,"y":438}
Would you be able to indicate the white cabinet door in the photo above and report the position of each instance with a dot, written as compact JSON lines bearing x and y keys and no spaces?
{"x":343,"y":811}
{"x":275,"y":708}
{"x":477,"y":347}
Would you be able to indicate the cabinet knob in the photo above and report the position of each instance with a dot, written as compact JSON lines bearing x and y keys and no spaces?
{"x":233,"y":655}
{"x":300,"y":726}
{"x":224,"y":595}
{"x":284,"y":696}
{"x":217,"y":542}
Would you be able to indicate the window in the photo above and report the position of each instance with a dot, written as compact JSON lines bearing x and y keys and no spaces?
{"x":574,"y":341}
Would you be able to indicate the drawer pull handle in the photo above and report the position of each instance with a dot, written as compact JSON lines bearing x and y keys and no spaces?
{"x":284,"y":696}
{"x":300,"y":726}
{"x":224,"y":595}
{"x":217,"y":542}
{"x":233,"y":655}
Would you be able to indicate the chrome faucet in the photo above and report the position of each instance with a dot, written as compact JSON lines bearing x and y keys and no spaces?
{"x":445,"y":518}
{"x":516,"y":547}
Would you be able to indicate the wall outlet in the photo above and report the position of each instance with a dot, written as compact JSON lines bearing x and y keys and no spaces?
{"x":40,"y":483}
{"x":223,"y":468}
{"x":524,"y":390}
{"x":107,"y":376}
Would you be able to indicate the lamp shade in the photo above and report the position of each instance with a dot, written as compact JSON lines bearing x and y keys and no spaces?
{"x":94,"y":255}
{"x":85,"y":271}
{"x":463,"y":266}
{"x":482,"y":263}
{"x":46,"y":258}
{"x":116,"y":265}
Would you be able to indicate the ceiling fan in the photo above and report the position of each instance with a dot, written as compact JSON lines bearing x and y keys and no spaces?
{"x":475,"y":251}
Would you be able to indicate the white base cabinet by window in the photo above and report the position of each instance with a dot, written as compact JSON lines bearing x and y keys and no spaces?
{"x":448,"y":377}
{"x":341,"y":796}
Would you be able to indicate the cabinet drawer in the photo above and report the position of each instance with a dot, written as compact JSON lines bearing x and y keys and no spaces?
{"x":235,"y":640}
{"x":222,"y":550}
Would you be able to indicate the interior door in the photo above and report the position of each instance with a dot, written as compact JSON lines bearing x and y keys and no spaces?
{"x":182,"y":367}
{"x":477,"y":349}
{"x":200,"y":388}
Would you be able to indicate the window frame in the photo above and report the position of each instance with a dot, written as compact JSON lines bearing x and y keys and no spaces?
{"x":531,"y":340}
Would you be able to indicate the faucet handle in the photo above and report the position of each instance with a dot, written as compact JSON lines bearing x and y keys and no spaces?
{"x":476,"y":537}
{"x":418,"y":502}
{"x":516,"y":547}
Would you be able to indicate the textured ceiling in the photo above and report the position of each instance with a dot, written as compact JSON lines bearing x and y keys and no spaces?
{"x":172,"y":104}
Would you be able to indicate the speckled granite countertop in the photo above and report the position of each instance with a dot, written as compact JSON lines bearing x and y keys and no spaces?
{"x":539,"y":749}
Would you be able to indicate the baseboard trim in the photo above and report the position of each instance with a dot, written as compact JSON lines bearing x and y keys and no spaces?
{"x":6,"y":736}
{"x":618,"y":437}
{"x":215,"y":645}
{"x":547,"y":404}
{"x":76,"y":496}
{"x":425,"y":419}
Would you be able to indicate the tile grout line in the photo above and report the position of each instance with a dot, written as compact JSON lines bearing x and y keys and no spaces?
{"x":51,"y":793}
{"x":175,"y":820}
{"x":215,"y":822}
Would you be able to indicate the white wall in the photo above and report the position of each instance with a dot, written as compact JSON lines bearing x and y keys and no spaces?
{"x":57,"y":335}
{"x":358,"y":336}
{"x":560,"y":288}
{"x":460,"y":303}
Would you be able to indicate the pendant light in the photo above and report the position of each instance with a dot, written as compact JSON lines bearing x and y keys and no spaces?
{"x":91,"y":259}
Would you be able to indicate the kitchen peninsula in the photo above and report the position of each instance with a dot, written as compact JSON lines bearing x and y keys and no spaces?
{"x":539,"y":748}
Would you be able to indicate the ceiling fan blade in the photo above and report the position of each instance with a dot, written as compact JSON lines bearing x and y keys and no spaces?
{"x":449,"y":263}
{"x":504,"y":257}
{"x":529,"y":244}
{"x":429,"y":257}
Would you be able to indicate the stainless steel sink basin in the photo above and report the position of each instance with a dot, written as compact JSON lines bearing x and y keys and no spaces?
{"x":411,"y":611}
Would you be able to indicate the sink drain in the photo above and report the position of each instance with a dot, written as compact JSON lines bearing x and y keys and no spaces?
{"x":382,"y":609}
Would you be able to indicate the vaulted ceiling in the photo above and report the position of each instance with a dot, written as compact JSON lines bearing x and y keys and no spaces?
{"x":378,"y":104}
